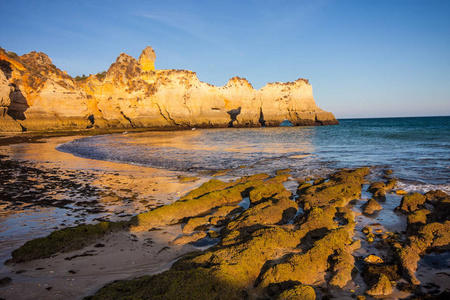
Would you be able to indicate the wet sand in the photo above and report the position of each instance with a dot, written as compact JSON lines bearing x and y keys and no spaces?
{"x":44,"y":190}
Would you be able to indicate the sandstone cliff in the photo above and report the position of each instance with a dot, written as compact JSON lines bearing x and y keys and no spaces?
{"x":37,"y":96}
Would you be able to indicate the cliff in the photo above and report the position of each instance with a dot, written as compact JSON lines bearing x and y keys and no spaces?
{"x":35,"y":95}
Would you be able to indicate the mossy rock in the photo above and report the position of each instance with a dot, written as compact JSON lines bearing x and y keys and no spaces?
{"x":65,"y":240}
{"x":329,"y":193}
{"x":184,"y":179}
{"x":379,"y":194}
{"x":319,"y":181}
{"x":193,"y":284}
{"x":221,"y":173}
{"x":194,"y":223}
{"x":254,"y":177}
{"x":382,"y":287}
{"x":268,"y":190}
{"x":343,"y":265}
{"x":302,"y":187}
{"x":279,"y":178}
{"x":307,"y":267}
{"x":279,"y":172}
{"x":274,"y":211}
{"x":418,"y":217}
{"x":188,"y":207}
{"x":300,"y":292}
{"x":187,"y":239}
{"x":391,"y":183}
{"x":441,"y":203}
{"x":355,"y":176}
{"x":376,"y":186}
{"x":371,"y":207}
{"x":412,"y":202}
{"x":432,"y":236}
{"x":207,"y":187}
{"x":237,"y":260}
{"x":5,"y":281}
{"x":436,"y":196}
{"x":318,"y":218}
{"x":341,"y":188}
{"x":372,"y":271}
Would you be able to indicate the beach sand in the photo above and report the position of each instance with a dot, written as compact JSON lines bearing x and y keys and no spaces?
{"x":48,"y":190}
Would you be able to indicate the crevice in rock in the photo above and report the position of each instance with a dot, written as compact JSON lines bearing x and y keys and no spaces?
{"x":261,"y":118}
{"x":170,"y":118}
{"x":161,"y":113}
{"x":185,"y":98}
{"x":23,"y":127}
{"x":167,"y":118}
{"x":233,"y":115}
{"x":128,"y":119}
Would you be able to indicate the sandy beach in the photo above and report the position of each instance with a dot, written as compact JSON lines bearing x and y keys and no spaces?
{"x":55,"y":190}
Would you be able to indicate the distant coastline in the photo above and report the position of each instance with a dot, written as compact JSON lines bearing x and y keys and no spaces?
{"x":401,"y":117}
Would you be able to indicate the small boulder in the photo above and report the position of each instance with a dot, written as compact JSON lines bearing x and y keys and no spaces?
{"x":5,"y":281}
{"x":390,"y":184}
{"x":412,"y":202}
{"x":371,"y":206}
{"x":376,"y":186}
{"x":388,"y":172}
{"x":382,"y":287}
{"x":373,"y":259}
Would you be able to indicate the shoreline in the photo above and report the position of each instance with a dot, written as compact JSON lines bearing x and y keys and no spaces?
{"x":64,"y":275}
{"x":98,"y":190}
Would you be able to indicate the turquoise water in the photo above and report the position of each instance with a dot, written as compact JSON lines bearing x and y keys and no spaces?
{"x":416,"y":149}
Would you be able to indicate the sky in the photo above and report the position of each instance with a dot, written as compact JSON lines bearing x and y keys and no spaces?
{"x":363,"y":58}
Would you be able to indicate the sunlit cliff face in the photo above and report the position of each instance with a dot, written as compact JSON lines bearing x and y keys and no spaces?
{"x":35,"y":95}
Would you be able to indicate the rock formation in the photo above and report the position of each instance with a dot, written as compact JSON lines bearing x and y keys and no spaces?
{"x":37,"y":96}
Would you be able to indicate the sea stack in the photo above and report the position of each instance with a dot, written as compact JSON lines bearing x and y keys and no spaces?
{"x":37,"y":96}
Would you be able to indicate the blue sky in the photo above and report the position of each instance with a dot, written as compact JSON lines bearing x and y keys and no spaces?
{"x":363,"y":58}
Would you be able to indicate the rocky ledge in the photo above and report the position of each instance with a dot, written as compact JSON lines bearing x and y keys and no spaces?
{"x":37,"y":96}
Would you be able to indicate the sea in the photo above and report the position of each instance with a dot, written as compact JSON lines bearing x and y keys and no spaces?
{"x":416,"y":149}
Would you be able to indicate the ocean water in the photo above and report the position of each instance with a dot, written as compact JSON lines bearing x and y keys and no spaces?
{"x":416,"y":149}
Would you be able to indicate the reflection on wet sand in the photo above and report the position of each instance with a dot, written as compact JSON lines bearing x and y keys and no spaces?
{"x":200,"y":150}
{"x":47,"y":190}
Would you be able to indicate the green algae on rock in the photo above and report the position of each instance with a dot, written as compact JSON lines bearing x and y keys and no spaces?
{"x":300,"y":292}
{"x":308,"y":267}
{"x":371,"y":207}
{"x":275,"y":211}
{"x":65,"y":240}
{"x":193,"y":284}
{"x":183,"y":178}
{"x":432,"y":236}
{"x":342,"y":187}
{"x":382,"y":287}
{"x":412,"y":202}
